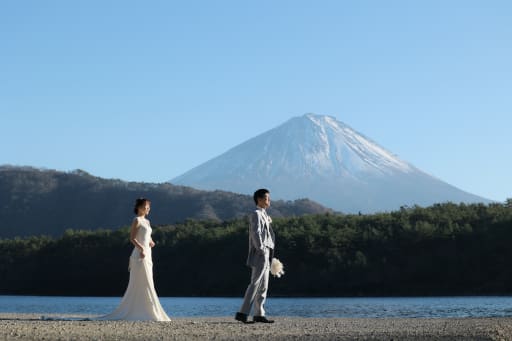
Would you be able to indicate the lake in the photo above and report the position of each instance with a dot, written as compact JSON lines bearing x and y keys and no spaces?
{"x":482,"y":306}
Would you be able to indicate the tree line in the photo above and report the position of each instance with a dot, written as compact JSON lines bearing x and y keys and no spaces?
{"x":444,"y":249}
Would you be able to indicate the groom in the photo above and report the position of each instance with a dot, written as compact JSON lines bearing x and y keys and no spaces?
{"x":261,"y":250}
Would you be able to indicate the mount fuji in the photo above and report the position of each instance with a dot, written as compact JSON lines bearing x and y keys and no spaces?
{"x":320,"y":158}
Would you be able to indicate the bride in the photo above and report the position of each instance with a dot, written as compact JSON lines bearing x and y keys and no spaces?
{"x":140,"y":301}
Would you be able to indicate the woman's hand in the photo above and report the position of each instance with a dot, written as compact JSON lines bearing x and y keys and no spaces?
{"x":151,"y":243}
{"x":142,"y":254}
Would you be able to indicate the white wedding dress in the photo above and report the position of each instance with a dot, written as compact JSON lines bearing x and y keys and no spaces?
{"x":140,"y":301}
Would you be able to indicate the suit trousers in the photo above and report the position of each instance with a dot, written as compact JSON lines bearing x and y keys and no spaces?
{"x":257,"y":290}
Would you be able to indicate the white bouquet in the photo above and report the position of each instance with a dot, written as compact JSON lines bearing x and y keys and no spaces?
{"x":276,"y":268}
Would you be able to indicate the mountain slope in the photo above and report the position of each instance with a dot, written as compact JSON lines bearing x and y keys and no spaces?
{"x":323,"y":159}
{"x":35,"y":202}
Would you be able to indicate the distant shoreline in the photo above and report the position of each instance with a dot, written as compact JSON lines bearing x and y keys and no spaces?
{"x":278,"y":296}
{"x":30,"y":327}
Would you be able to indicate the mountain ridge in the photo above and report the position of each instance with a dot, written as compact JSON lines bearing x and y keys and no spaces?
{"x":41,"y":201}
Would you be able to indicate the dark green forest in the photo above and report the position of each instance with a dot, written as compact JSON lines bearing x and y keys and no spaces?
{"x":35,"y":202}
{"x":445,"y":249}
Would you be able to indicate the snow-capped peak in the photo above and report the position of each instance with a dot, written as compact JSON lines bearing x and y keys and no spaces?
{"x":341,"y":147}
{"x":321,"y":158}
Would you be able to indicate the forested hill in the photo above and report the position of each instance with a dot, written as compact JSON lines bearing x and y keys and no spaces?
{"x":36,"y":202}
{"x":445,"y":249}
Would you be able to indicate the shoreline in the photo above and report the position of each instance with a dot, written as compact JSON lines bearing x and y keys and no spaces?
{"x":31,"y":327}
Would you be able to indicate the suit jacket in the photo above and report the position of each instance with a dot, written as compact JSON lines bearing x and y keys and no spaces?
{"x":258,"y":225}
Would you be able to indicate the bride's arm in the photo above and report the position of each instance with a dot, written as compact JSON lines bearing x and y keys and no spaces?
{"x":151,"y":242}
{"x":133,"y":234}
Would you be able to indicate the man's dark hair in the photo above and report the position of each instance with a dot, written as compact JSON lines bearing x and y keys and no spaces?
{"x":260,"y":194}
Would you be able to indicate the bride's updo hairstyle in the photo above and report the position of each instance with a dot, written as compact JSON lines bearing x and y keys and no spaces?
{"x":140,"y":202}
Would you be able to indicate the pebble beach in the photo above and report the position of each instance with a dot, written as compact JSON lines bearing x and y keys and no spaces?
{"x":31,"y":327}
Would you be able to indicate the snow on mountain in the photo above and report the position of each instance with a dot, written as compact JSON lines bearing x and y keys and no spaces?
{"x":320,"y":158}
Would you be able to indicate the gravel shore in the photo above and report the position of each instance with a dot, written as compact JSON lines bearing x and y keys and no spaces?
{"x":31,"y":327}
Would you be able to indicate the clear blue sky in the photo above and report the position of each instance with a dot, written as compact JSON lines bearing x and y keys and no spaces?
{"x":146,"y":90}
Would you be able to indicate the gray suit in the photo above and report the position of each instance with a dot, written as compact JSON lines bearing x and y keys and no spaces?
{"x":261,"y":250}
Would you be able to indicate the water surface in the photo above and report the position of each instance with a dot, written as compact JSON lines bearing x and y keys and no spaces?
{"x":482,"y":306}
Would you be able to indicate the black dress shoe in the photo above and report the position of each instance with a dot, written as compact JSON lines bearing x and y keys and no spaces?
{"x":242,"y":318}
{"x":262,"y":319}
